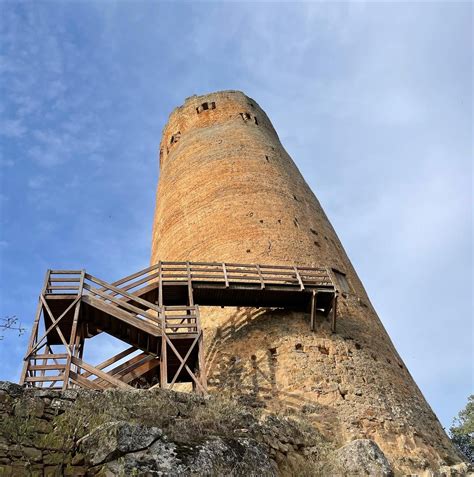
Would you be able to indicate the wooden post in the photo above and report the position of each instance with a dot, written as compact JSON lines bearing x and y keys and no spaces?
{"x":32,"y":342}
{"x":160,"y":284}
{"x":72,"y":338}
{"x":190,"y":291}
{"x":201,"y":360}
{"x":314,"y":300}
{"x":34,"y":329}
{"x":163,"y":356}
{"x":334,"y":313}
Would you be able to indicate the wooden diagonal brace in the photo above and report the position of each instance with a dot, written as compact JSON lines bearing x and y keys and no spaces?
{"x":54,"y":324}
{"x":183,"y":361}
{"x":191,"y":374}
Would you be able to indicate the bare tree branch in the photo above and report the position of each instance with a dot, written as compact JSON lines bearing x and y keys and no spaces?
{"x":11,"y":323}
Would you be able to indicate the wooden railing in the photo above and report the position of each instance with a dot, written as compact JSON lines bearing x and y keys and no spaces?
{"x":63,"y":282}
{"x":121,"y":303}
{"x":46,"y":369}
{"x":181,"y":319}
{"x":234,"y":273}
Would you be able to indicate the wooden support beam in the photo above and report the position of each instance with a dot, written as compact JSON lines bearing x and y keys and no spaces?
{"x":72,"y":338}
{"x":113,"y":360}
{"x":83,"y":382}
{"x":141,"y":369}
{"x":34,"y":330}
{"x":314,"y":300}
{"x":128,"y":366}
{"x":191,"y":373}
{"x":201,"y":360}
{"x":50,"y":356}
{"x":37,"y":379}
{"x":32,"y":341}
{"x":160,"y":284}
{"x":163,"y":356}
{"x":44,"y":367}
{"x":54,"y":323}
{"x":100,"y":374}
{"x":184,"y":360}
{"x":334,"y":313}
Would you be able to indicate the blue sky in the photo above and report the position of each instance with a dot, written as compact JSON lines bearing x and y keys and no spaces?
{"x":372,"y":100}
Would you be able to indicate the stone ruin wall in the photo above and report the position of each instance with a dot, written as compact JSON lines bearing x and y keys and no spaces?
{"x":229,"y":192}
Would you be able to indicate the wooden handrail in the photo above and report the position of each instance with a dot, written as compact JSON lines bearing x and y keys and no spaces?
{"x":121,"y":303}
{"x":121,"y":292}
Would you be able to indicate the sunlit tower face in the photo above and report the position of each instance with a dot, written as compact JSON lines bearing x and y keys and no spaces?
{"x":229,"y":192}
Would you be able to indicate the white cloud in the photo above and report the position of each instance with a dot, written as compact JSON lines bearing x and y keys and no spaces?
{"x":12,"y":128}
{"x":37,"y":182}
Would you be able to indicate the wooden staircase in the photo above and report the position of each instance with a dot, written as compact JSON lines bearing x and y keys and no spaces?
{"x":154,"y":311}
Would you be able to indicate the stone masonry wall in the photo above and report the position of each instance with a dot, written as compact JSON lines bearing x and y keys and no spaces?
{"x":228,"y":191}
{"x":48,"y":433}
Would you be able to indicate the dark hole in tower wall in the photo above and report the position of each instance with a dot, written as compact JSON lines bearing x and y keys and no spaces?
{"x":247,"y":117}
{"x":175,"y":137}
{"x":206,"y":106}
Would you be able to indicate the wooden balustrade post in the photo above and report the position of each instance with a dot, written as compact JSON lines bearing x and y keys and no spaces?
{"x":224,"y":271}
{"x":160,"y":284}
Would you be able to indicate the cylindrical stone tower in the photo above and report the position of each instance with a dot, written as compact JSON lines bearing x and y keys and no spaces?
{"x":229,"y":192}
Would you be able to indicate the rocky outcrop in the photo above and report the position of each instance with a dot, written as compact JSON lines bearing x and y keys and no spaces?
{"x":156,"y":432}
{"x":121,"y":448}
{"x":361,"y":456}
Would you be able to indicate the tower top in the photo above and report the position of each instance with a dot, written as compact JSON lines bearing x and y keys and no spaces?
{"x":212,"y":109}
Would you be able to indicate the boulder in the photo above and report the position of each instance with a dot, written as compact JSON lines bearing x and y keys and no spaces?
{"x":236,"y":457}
{"x":361,"y":457}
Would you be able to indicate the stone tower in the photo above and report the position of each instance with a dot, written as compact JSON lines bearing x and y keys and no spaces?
{"x":229,"y":192}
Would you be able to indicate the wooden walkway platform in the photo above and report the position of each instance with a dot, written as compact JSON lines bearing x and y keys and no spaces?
{"x":156,"y":312}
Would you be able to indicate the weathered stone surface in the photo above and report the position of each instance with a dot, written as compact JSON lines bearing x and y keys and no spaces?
{"x":239,"y":457}
{"x":11,"y":389}
{"x":167,"y":433}
{"x":114,"y":439}
{"x":228,"y":191}
{"x":361,"y":457}
{"x":31,"y":454}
